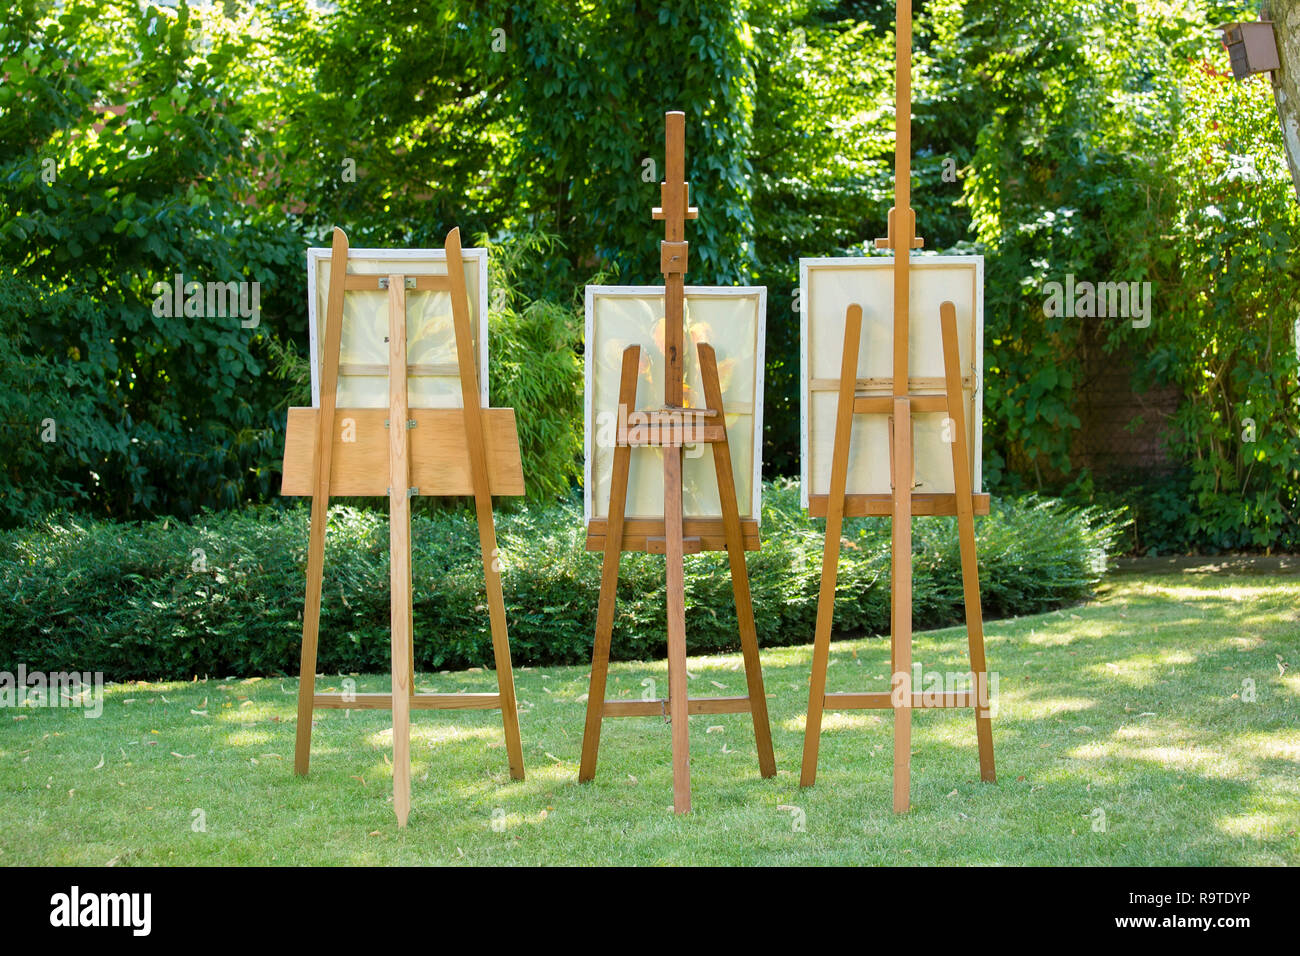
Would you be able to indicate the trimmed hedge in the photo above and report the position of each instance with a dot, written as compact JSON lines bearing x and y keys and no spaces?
{"x":223,"y":595}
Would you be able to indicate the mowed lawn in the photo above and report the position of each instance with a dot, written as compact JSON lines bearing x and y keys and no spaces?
{"x":1126,"y":734}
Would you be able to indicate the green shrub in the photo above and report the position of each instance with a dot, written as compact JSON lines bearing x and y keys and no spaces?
{"x":126,"y":152}
{"x":536,"y":368}
{"x":223,"y":595}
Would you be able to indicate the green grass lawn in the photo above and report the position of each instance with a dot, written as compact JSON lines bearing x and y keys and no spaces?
{"x":1124,"y":736}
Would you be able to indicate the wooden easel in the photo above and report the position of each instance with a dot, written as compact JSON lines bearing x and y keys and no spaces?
{"x":670,"y":428}
{"x":402,"y":452}
{"x":901,"y":504}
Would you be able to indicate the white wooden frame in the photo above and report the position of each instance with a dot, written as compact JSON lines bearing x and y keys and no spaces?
{"x":921,"y":265}
{"x":759,"y":293}
{"x":401,"y":259}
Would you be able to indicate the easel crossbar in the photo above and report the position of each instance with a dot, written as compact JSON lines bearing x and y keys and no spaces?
{"x":884,"y":700}
{"x":659,"y":706}
{"x":416,"y":701}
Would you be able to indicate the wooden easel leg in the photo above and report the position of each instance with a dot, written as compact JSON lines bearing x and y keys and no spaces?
{"x":399,"y":548}
{"x":831,"y":546}
{"x":410,"y":587}
{"x":609,"y":573}
{"x":901,"y":603}
{"x":966,"y":537}
{"x":471,"y":404}
{"x":678,"y":692}
{"x":310,"y":632}
{"x":320,"y":505}
{"x":500,"y":640}
{"x":739,"y":572}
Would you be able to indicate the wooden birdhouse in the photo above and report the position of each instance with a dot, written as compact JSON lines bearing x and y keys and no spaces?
{"x":1252,"y":47}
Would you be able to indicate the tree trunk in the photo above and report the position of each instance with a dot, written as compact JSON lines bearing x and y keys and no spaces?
{"x":1286,"y":81}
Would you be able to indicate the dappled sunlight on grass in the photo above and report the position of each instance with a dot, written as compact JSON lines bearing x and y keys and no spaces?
{"x":247,"y":738}
{"x":1279,"y":745}
{"x":1024,"y":707}
{"x":836,"y":720}
{"x":1185,"y":589}
{"x":429,"y":736}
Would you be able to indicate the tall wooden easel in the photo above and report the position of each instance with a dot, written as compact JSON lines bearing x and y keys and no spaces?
{"x":670,"y":428}
{"x":901,"y":504}
{"x":401,"y":452}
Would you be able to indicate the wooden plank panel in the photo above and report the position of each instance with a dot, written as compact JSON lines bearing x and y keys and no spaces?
{"x":884,"y":404}
{"x":652,"y":544}
{"x":439,"y":463}
{"x":925,"y":505}
{"x":638,"y":534}
{"x":670,"y":435}
{"x":660,"y":546}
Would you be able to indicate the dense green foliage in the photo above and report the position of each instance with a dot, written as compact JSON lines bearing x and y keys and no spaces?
{"x":124,"y":159}
{"x":224,"y":595}
{"x":1062,"y":137}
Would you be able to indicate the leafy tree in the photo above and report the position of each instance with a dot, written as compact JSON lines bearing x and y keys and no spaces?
{"x":123,"y":161}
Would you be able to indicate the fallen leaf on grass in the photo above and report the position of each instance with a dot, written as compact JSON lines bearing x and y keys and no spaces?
{"x":100,"y":765}
{"x":182,"y":756}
